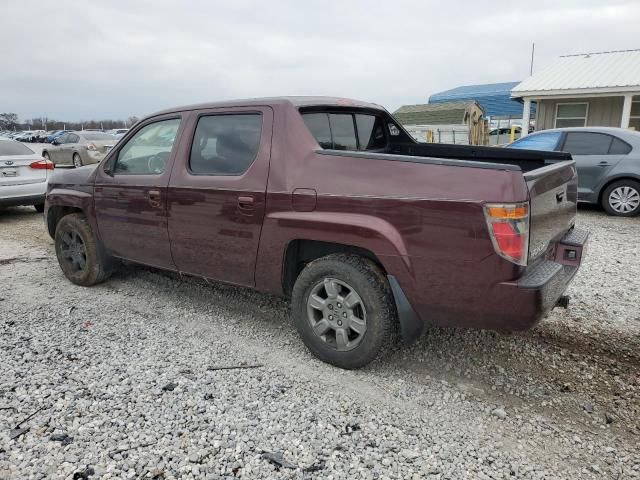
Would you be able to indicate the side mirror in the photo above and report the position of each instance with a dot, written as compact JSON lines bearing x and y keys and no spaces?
{"x":108,"y":167}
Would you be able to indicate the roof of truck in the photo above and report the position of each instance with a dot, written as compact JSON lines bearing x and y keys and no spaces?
{"x":300,"y":101}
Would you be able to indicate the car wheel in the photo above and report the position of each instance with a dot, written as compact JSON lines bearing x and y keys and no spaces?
{"x":77,"y":161}
{"x":39,"y":207}
{"x":622,"y":198}
{"x":344,"y":311}
{"x":81,"y":257}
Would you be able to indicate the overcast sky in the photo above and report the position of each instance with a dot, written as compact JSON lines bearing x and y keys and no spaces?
{"x":82,"y":60}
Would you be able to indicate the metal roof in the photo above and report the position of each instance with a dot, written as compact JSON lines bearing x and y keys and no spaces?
{"x":616,"y":71}
{"x":493,"y":97}
{"x":445,"y":113}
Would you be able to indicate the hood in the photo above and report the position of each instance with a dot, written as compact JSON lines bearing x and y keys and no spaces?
{"x":73,"y":177}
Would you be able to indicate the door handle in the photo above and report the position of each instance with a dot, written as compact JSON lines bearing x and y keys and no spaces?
{"x":154,"y":198}
{"x":603,"y":164}
{"x":245,"y":203}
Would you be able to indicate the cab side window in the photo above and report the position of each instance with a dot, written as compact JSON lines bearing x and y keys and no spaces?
{"x":147,"y":152}
{"x":225,"y":144}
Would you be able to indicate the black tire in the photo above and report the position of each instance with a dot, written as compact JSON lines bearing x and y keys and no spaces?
{"x":616,"y":209}
{"x":76,"y":160}
{"x":371,"y":285}
{"x":97,"y":265}
{"x":39,"y":207}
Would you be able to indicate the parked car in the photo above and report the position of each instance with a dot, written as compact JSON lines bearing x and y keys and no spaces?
{"x":58,"y":133}
{"x":608,"y":161}
{"x":79,"y":148}
{"x":332,"y":202}
{"x":42,"y":136}
{"x":118,"y":132}
{"x":23,"y":175}
{"x":25,"y":136}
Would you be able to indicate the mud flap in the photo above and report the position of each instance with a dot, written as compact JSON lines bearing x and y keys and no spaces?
{"x":411,"y":325}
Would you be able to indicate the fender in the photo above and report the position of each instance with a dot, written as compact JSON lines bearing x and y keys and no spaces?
{"x":352,"y":229}
{"x":73,"y":199}
{"x":357,"y":230}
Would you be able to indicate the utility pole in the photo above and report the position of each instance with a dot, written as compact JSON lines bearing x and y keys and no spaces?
{"x":533,"y":49}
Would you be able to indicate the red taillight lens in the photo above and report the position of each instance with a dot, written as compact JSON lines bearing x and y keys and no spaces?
{"x":509,"y":230}
{"x":42,"y":165}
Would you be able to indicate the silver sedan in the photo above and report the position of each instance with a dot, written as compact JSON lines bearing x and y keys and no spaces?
{"x":79,"y":148}
{"x":608,"y":162}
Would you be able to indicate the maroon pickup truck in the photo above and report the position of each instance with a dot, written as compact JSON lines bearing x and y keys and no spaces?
{"x":329,"y":201}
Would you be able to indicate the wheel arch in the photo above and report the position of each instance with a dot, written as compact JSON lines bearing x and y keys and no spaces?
{"x":62,"y":202}
{"x":607,"y":184}
{"x":299,"y":252}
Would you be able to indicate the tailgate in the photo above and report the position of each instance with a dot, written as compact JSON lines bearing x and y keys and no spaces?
{"x":553,"y":195}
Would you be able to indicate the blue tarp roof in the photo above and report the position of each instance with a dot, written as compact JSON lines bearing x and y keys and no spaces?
{"x":493,"y":97}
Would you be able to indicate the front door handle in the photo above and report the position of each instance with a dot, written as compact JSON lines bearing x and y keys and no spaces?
{"x":154,"y":198}
{"x":245,"y":203}
{"x":603,"y":164}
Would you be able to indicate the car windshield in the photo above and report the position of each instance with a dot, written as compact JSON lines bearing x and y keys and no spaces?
{"x":14,"y":148}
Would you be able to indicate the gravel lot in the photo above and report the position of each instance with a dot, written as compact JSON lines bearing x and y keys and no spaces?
{"x":122,"y":381}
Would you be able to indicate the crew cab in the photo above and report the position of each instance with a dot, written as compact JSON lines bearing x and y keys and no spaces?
{"x":331,"y":202}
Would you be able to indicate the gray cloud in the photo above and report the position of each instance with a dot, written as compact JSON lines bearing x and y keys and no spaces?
{"x":81,"y":60}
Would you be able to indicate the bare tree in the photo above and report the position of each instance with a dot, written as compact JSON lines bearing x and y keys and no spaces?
{"x":8,"y":121}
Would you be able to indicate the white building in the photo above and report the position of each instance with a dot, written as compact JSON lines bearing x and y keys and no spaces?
{"x":591,"y":89}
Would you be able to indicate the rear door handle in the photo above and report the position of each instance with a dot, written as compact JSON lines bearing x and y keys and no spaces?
{"x":245,"y":203}
{"x":154,"y":198}
{"x":603,"y":164}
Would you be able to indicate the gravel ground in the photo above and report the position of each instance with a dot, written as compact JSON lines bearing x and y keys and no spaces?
{"x":122,"y":381}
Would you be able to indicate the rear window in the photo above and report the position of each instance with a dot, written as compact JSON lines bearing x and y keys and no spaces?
{"x":14,"y":148}
{"x":587,"y":143}
{"x":346,"y":131}
{"x":97,"y":136}
{"x":538,"y":141}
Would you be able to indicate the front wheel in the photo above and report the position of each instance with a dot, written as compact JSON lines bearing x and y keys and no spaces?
{"x":622,"y":198}
{"x":80,"y":255}
{"x":343,"y":309}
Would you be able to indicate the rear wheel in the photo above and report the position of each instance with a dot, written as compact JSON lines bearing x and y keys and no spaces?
{"x":80,"y":255}
{"x":622,"y":198}
{"x":343,"y":309}
{"x":77,"y":161}
{"x":39,"y":207}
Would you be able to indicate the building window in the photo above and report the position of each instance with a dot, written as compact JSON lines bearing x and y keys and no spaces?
{"x":634,"y":119}
{"x":571,"y":114}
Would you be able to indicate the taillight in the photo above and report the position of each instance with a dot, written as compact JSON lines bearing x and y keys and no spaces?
{"x":91,"y":146}
{"x":42,"y":165}
{"x":509,"y":230}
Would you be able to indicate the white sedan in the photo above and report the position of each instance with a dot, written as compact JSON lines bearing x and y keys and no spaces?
{"x":23,"y":175}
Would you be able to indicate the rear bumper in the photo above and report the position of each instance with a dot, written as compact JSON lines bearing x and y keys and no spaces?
{"x":518,"y":304}
{"x":28,"y":194}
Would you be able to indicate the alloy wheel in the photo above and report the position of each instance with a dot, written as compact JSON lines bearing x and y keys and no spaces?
{"x":74,"y":251}
{"x":624,"y":199}
{"x":337,"y":314}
